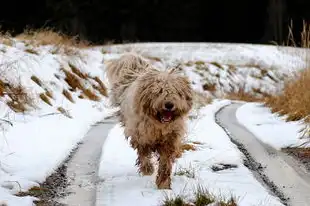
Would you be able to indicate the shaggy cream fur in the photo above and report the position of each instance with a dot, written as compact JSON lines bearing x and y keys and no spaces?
{"x":154,"y":106}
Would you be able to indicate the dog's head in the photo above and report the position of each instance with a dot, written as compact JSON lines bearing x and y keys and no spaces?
{"x":164,"y":96}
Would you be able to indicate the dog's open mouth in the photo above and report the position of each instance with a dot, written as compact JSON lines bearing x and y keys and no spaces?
{"x":165,"y":116}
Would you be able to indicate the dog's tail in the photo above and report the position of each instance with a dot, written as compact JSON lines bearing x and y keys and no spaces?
{"x":126,"y":69}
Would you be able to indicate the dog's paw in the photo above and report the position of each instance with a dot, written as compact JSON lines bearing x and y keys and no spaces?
{"x":163,"y":184}
{"x":166,"y":185}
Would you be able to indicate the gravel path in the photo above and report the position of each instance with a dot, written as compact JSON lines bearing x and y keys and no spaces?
{"x":278,"y":172}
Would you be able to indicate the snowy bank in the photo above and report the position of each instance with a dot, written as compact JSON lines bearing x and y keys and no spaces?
{"x":268,"y":127}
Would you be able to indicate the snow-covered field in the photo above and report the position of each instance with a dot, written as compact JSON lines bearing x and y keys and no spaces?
{"x":270,"y":128}
{"x":39,"y":140}
{"x":122,"y":185}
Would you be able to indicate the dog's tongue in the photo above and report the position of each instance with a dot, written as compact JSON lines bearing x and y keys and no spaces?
{"x":167,"y":116}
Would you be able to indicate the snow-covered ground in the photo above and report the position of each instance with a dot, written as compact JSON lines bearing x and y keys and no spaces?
{"x":39,"y":140}
{"x":270,"y":128}
{"x":122,"y":185}
{"x":217,"y":68}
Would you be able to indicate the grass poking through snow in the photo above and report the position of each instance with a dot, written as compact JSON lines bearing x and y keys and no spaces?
{"x":201,"y":198}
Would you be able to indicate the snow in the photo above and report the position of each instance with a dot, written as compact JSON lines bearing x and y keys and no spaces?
{"x":122,"y":185}
{"x":250,"y":63}
{"x":268,"y":127}
{"x":41,"y":139}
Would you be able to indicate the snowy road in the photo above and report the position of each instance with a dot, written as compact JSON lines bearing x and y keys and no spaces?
{"x":275,"y":171}
{"x":283,"y":176}
{"x":82,"y":169}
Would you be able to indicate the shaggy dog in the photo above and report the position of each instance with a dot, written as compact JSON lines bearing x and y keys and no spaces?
{"x":153,"y":109}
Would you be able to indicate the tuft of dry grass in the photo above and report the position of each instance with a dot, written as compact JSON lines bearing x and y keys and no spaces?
{"x":90,"y":95}
{"x":48,"y":36}
{"x":101,"y":88}
{"x":2,"y":88}
{"x":217,"y":65}
{"x":72,"y":80}
{"x":202,"y":198}
{"x":75,"y":82}
{"x":211,"y":87}
{"x":81,"y":96}
{"x":32,"y":51}
{"x":49,"y":93}
{"x":294,"y":101}
{"x":6,"y":39}
{"x":76,"y":71}
{"x":36,"y":80}
{"x":68,"y":95}
{"x":64,"y":112}
{"x":19,"y":101}
{"x":45,"y":99}
{"x":304,"y":36}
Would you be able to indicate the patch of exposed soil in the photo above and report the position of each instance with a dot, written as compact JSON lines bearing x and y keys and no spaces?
{"x":54,"y":186}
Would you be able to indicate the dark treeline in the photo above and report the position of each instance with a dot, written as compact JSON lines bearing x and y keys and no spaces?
{"x":249,"y":21}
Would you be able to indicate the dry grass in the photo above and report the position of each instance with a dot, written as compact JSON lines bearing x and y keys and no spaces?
{"x":68,"y":95}
{"x":2,"y":88}
{"x":202,"y":198}
{"x":64,"y":112}
{"x":304,"y":35}
{"x":76,"y":71}
{"x":6,"y":39}
{"x":49,"y":93}
{"x":36,"y":80}
{"x":45,"y":99}
{"x":211,"y":87}
{"x":217,"y":65}
{"x":31,"y":51}
{"x":294,"y":101}
{"x":91,"y":95}
{"x":47,"y":36}
{"x":20,"y":101}
{"x":74,"y":80}
{"x":101,"y":88}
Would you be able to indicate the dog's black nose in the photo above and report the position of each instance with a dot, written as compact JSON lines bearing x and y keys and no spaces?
{"x":169,"y":105}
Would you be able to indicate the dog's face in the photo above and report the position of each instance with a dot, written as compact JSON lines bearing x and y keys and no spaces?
{"x":164,"y":96}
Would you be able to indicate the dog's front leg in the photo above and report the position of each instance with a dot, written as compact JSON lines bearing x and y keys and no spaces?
{"x":144,"y":159}
{"x":167,"y":156}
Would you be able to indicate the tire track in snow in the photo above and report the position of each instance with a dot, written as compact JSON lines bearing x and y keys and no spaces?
{"x":82,"y":168}
{"x":274,"y":169}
